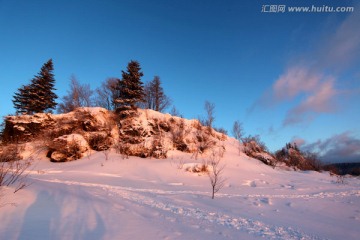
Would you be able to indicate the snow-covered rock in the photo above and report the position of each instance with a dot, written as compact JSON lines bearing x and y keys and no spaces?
{"x":68,"y":148}
{"x":143,"y":133}
{"x":254,"y":150}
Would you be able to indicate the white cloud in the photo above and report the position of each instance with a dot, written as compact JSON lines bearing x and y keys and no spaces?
{"x":312,"y":87}
{"x":296,"y":80}
{"x":321,"y":99}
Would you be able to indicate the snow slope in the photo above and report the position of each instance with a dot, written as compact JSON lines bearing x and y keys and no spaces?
{"x":135,"y":198}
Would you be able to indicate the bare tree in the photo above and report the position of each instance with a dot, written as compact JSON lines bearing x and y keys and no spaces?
{"x":107,"y":93}
{"x":175,"y":112}
{"x":237,"y":130}
{"x":79,"y":95}
{"x":210,"y":111}
{"x":155,"y":98}
{"x":215,"y":174}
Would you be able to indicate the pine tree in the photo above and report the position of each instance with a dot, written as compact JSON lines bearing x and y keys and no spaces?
{"x":38,"y":96}
{"x":21,"y":100}
{"x":43,"y":87}
{"x":130,"y":86}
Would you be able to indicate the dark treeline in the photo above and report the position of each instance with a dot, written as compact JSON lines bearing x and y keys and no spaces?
{"x":38,"y":96}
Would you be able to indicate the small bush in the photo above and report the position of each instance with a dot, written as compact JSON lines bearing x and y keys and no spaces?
{"x":123,"y":149}
{"x":178,"y":133}
{"x":198,"y":168}
{"x":10,"y":152}
{"x":99,"y":142}
{"x":254,"y":143}
{"x":72,"y":151}
{"x":221,"y":130}
{"x":12,"y":167}
{"x":204,"y":141}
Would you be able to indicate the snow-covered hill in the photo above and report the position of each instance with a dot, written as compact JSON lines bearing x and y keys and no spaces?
{"x":148,"y":198}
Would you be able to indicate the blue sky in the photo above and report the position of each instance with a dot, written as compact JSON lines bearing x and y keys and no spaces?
{"x":286,"y":76}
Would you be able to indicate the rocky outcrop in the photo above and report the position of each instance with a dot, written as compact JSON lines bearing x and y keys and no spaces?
{"x":67,"y":136}
{"x":255,"y":150}
{"x":68,"y":148}
{"x":26,"y":127}
{"x":147,"y":133}
{"x":297,"y":159}
{"x":143,"y":133}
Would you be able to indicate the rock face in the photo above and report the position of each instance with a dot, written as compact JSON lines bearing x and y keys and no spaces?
{"x":147,"y":133}
{"x":24,"y":128}
{"x":143,"y":133}
{"x":68,"y":148}
{"x":293,"y":157}
{"x":67,"y":136}
{"x":254,"y":150}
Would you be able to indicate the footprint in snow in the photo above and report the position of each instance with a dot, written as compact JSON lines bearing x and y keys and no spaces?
{"x":249,"y":183}
{"x":266,"y":201}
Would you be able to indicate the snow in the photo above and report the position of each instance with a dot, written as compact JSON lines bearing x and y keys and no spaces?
{"x":136,"y":198}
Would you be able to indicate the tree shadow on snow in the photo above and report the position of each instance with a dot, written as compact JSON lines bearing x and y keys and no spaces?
{"x":59,"y":216}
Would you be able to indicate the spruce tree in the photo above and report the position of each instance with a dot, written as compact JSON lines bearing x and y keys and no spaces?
{"x":130,"y":86}
{"x":21,"y":100}
{"x":38,"y":96}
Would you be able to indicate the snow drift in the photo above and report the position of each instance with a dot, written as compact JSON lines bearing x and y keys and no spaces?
{"x":107,"y":194}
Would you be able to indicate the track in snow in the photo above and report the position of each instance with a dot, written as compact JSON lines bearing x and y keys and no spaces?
{"x":254,"y":227}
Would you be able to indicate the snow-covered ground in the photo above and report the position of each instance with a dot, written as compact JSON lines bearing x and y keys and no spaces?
{"x":135,"y":198}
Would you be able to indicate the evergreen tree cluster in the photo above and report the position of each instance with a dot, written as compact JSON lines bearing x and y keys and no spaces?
{"x":38,"y":96}
{"x":129,"y":92}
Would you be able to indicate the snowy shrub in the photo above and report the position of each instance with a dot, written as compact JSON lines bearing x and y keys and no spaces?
{"x":178,"y":134}
{"x":197,"y":167}
{"x":106,"y":153}
{"x":164,"y":126}
{"x":12,"y":167}
{"x":123,"y":149}
{"x":158,"y":149}
{"x":221,"y":130}
{"x":203,"y":140}
{"x":254,"y":144}
{"x":10,"y":152}
{"x":100,"y":141}
{"x":180,"y":163}
{"x":340,"y":179}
